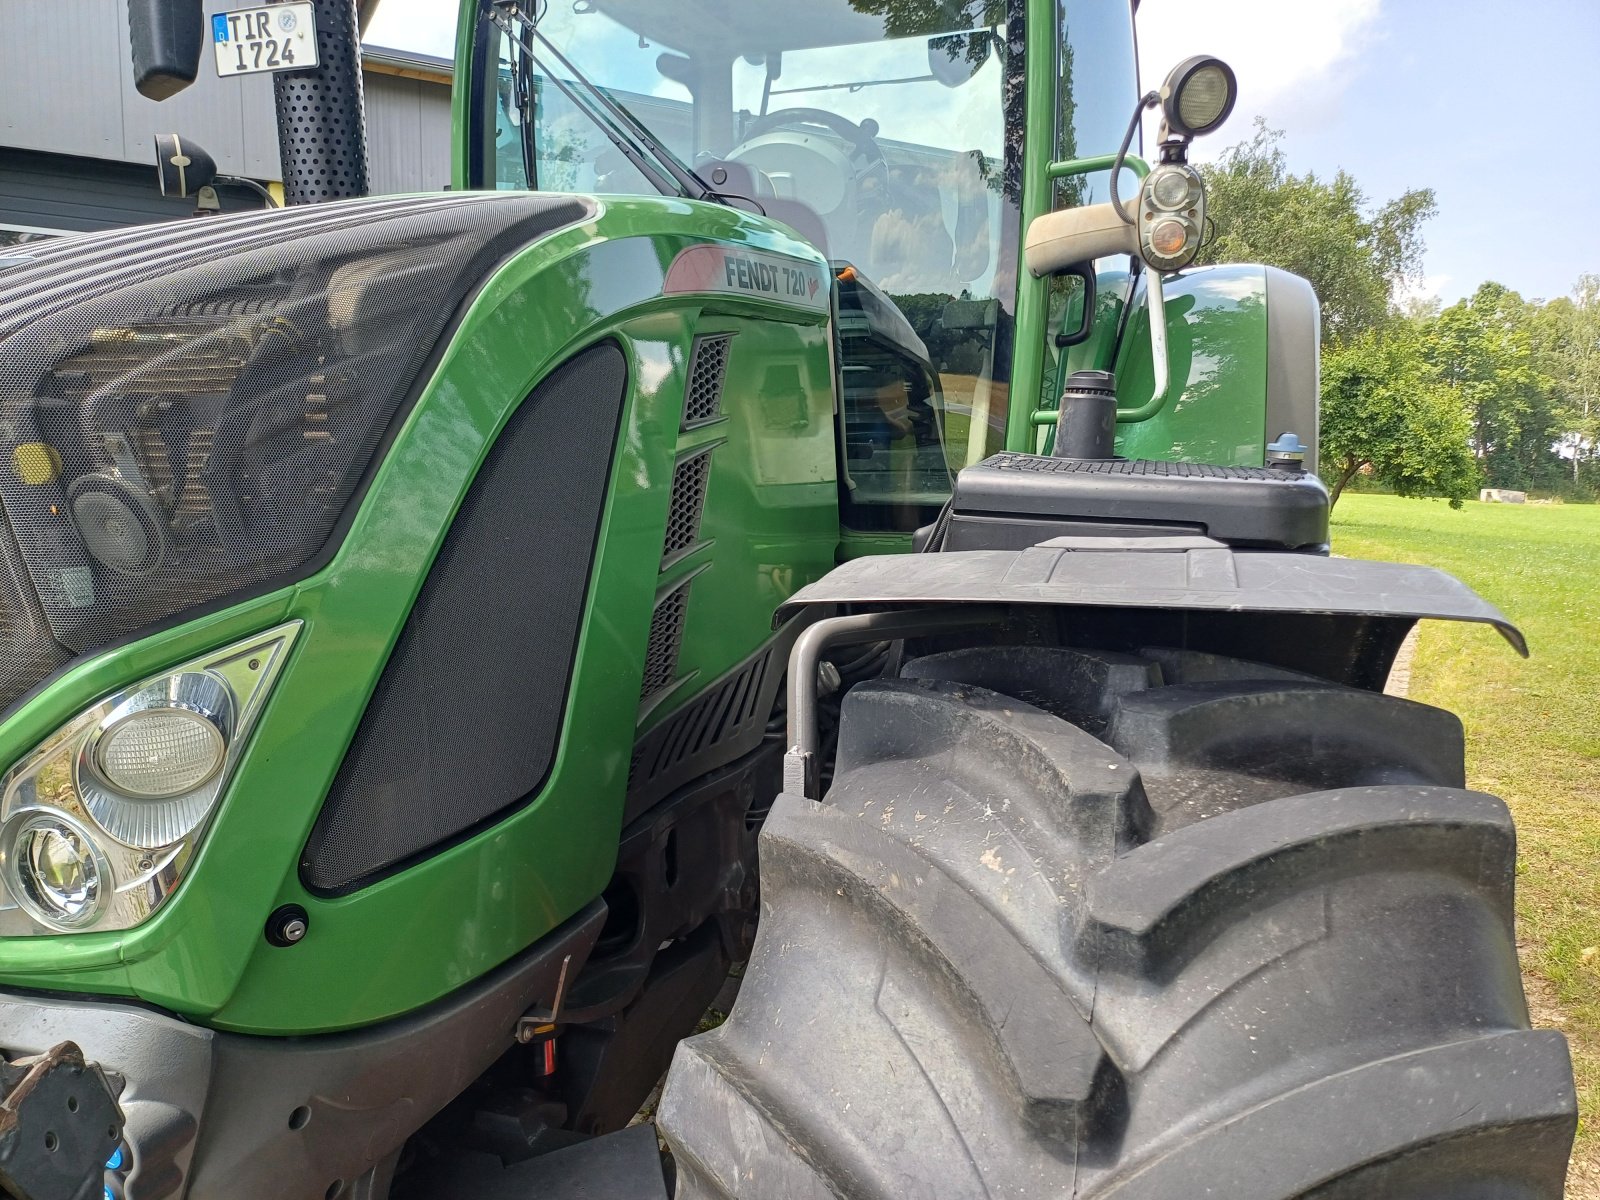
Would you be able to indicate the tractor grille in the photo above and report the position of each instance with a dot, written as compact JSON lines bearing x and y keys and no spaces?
{"x":688,"y":502}
{"x":708,"y":369}
{"x":666,"y":634}
{"x":190,"y":409}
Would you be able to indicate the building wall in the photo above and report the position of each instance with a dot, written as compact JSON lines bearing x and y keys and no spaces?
{"x":408,"y":134}
{"x":66,"y":87}
{"x":53,"y":193}
{"x":76,"y":139}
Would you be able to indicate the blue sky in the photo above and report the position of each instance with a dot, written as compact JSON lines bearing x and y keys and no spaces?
{"x":1485,"y":101}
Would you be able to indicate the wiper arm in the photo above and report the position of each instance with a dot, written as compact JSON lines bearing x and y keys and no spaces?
{"x":630,"y":136}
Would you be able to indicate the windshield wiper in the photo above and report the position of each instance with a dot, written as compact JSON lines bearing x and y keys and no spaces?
{"x":627,"y":134}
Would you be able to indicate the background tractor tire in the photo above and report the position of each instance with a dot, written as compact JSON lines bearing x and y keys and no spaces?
{"x":1082,"y":924}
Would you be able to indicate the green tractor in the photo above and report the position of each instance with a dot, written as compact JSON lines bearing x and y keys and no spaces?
{"x":789,"y":521}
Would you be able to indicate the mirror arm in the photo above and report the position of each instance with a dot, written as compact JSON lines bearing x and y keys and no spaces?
{"x":250,"y":185}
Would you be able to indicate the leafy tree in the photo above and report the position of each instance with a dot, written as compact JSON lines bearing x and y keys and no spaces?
{"x":1566,"y":348}
{"x":1356,"y":259}
{"x":1482,"y":348}
{"x":1387,"y":413}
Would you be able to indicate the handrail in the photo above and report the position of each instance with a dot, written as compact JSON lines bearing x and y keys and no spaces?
{"x":1071,"y":167}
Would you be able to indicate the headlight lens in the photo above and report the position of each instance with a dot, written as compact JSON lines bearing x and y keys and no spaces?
{"x":1170,"y":189}
{"x":161,"y":752}
{"x":99,"y":823}
{"x":61,"y":877}
{"x":1206,"y":97}
{"x":1167,"y":238}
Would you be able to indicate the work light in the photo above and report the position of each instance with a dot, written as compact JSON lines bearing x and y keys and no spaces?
{"x":1198,"y":95}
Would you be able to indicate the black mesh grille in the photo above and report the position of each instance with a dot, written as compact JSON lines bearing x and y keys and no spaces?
{"x":466,"y":718}
{"x":666,"y":634}
{"x":1137,"y":466}
{"x":706,"y":372}
{"x":688,"y":502}
{"x":190,"y":409}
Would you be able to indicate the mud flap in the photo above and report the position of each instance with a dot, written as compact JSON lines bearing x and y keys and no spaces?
{"x":59,"y":1124}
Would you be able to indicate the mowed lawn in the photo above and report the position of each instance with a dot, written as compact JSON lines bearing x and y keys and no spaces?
{"x":1533,"y":731}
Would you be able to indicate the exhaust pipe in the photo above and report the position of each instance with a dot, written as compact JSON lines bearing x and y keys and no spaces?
{"x":322,"y":125}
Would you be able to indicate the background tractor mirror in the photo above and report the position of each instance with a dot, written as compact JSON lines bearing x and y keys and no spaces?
{"x":182,"y":167}
{"x":1198,"y":95}
{"x":164,"y":36}
{"x":957,"y":57}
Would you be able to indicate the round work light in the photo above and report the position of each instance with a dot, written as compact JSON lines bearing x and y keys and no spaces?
{"x":1198,"y":95}
{"x":147,"y":773}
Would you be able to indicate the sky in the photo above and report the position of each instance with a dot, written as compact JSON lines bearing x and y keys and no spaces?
{"x":1482,"y":100}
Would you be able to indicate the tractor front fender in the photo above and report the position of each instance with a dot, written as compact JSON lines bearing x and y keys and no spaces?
{"x":1338,"y":618}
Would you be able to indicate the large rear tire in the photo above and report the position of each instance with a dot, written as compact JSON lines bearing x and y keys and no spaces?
{"x":1080,"y":924}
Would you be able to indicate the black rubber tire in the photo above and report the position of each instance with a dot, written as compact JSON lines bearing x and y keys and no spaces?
{"x":1253,"y":941}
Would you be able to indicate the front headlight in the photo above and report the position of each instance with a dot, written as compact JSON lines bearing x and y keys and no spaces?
{"x":99,"y":823}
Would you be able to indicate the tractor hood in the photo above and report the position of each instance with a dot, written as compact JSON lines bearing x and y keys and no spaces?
{"x":188,"y":410}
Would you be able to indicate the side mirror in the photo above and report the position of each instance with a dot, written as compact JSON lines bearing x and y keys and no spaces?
{"x":957,"y":57}
{"x":164,"y":36}
{"x":182,"y":167}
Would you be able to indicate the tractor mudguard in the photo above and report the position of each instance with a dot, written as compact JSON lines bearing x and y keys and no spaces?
{"x":1340,"y":618}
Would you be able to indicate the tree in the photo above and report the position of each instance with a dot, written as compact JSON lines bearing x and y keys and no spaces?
{"x":1566,"y":348}
{"x":1387,"y":413}
{"x":1357,"y":260}
{"x":1481,"y":347}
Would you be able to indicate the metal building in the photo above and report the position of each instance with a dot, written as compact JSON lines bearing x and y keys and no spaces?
{"x":76,"y":139}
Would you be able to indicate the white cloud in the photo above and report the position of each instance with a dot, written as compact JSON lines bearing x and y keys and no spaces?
{"x":1424,"y":290}
{"x":1292,"y":57}
{"x":421,"y":26}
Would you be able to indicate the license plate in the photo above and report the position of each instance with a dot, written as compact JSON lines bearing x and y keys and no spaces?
{"x":279,"y":37}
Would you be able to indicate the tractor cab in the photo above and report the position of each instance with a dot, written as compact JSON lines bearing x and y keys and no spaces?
{"x":890,"y":135}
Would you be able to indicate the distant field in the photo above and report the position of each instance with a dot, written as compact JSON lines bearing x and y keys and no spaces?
{"x":1533,"y":731}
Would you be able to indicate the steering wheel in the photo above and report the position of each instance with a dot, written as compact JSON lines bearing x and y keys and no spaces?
{"x":861,"y":166}
{"x":864,"y":137}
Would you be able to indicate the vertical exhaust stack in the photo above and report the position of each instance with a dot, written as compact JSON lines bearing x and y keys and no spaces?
{"x":322,"y":127}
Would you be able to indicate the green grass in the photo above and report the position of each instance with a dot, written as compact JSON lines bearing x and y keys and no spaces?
{"x":1533,"y":731}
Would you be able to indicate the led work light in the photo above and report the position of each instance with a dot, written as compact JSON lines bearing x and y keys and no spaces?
{"x":1198,"y":95}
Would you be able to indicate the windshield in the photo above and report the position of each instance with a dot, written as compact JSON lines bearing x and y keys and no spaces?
{"x":888,"y":133}
{"x":877,"y":126}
